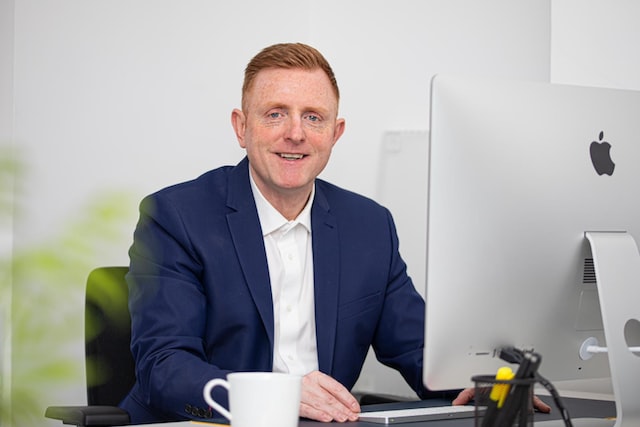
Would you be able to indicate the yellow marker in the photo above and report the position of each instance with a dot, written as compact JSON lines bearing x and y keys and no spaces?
{"x":500,"y":391}
{"x":497,"y":396}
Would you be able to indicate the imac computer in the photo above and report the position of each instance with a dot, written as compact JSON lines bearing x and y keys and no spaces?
{"x":533,"y":220}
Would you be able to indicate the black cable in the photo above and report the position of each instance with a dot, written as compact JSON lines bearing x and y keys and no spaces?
{"x":514,"y":355}
{"x":511,"y":355}
{"x":556,"y":398}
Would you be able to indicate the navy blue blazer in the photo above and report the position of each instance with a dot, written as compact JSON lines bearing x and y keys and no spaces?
{"x":200,"y":297}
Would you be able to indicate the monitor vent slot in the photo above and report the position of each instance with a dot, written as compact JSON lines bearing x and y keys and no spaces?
{"x":589,"y":271}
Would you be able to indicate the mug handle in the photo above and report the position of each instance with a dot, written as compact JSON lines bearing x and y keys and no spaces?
{"x":207,"y":396}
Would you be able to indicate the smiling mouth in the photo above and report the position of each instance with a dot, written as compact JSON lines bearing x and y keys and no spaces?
{"x":288,"y":156}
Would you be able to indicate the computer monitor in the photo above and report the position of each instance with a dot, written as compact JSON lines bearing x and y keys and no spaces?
{"x":531,"y":229}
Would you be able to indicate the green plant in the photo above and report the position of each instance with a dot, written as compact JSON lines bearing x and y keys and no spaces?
{"x":46,"y":290}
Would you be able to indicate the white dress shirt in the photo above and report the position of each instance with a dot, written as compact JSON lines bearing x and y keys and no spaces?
{"x":290,"y":261}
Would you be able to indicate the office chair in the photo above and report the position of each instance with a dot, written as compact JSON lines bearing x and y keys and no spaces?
{"x":110,"y":371}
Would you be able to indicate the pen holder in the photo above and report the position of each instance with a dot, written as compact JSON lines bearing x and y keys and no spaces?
{"x":503,"y":403}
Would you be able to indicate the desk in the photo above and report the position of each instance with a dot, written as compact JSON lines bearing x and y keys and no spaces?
{"x":577,"y":408}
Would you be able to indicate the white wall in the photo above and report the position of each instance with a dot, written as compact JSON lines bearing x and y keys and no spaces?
{"x":595,"y":43}
{"x":135,"y":95}
{"x":138,"y":93}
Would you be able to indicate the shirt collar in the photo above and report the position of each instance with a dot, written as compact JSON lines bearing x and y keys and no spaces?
{"x":272,"y":220}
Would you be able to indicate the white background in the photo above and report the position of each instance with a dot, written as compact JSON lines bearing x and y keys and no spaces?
{"x":136,"y":94}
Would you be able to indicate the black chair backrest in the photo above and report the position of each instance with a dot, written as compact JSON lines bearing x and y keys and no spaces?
{"x":110,"y":368}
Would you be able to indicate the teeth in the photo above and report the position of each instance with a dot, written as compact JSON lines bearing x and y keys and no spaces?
{"x":291,"y":156}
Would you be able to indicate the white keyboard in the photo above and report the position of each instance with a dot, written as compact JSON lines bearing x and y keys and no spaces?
{"x":579,"y":422}
{"x":418,"y":414}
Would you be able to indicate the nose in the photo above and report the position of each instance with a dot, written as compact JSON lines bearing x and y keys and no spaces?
{"x":295,"y":131}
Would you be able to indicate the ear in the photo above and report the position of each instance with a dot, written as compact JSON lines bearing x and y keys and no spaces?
{"x":239,"y":121}
{"x":338,"y":130}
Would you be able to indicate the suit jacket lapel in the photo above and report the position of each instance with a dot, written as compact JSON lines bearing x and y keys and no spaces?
{"x":246,"y":233}
{"x":326,"y":265}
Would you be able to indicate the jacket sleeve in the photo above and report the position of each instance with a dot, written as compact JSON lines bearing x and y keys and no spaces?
{"x":399,"y":338}
{"x":168,"y":313}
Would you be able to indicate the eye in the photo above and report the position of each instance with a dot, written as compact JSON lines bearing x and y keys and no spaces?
{"x":275,"y":115}
{"x":313,"y":118}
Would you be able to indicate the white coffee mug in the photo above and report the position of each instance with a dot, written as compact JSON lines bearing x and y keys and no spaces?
{"x":258,"y":399}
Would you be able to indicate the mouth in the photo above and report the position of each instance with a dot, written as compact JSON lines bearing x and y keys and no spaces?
{"x":291,"y":156}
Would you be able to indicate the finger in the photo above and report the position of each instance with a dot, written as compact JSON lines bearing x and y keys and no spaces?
{"x":339,"y":392}
{"x":308,"y":411}
{"x":325,"y":399}
{"x":540,"y":405}
{"x":464,"y":397}
{"x":326,"y":409}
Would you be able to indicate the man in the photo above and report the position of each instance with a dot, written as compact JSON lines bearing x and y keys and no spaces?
{"x":262,"y":266}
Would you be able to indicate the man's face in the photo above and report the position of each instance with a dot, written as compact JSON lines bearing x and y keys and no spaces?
{"x":288,"y":129}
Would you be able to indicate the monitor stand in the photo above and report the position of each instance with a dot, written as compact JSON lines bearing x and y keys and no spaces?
{"x":617,"y":265}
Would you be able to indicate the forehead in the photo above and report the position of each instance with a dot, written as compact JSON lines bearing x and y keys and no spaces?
{"x":292,"y":86}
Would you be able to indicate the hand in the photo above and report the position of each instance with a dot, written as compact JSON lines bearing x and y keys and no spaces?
{"x":325,"y":399}
{"x":466,"y":395}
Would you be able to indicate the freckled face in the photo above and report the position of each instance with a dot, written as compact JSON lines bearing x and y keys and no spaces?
{"x":288,"y":129}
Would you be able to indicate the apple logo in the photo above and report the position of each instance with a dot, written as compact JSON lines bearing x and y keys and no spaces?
{"x":601,"y":157}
